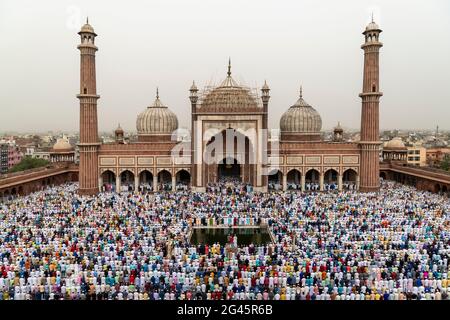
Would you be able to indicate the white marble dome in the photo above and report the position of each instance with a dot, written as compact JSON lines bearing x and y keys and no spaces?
{"x":62,"y":144}
{"x":396,"y":144}
{"x":301,"y":118}
{"x":156,"y":119}
{"x":372,"y":26}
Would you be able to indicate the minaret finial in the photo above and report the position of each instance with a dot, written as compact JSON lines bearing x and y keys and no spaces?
{"x":229,"y":67}
{"x":87,"y":19}
{"x":157,"y":93}
{"x":301,"y":91}
{"x":372,"y":17}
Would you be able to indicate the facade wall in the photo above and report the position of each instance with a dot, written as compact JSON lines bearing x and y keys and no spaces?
{"x":14,"y":156}
{"x":26,"y":182}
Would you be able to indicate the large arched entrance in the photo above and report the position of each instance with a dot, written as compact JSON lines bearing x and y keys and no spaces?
{"x":229,"y":154}
{"x":127,"y":181}
{"x":312,"y":180}
{"x":108,"y":181}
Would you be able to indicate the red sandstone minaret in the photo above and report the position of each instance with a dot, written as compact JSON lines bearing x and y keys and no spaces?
{"x":89,"y":142}
{"x":370,"y":132}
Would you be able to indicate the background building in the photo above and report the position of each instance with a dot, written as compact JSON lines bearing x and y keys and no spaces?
{"x":395,"y":150}
{"x":435,"y":156}
{"x":62,"y":151}
{"x":417,"y":156}
{"x":3,"y":158}
{"x":10,"y":155}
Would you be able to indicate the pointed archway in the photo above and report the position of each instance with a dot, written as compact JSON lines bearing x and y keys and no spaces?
{"x":331,"y":179}
{"x":127,"y":181}
{"x":164,"y":180}
{"x":230,"y":154}
{"x":275,"y":180}
{"x":293,"y":180}
{"x":312,"y":180}
{"x":108,"y":181}
{"x":349,"y":179}
{"x":183,"y":179}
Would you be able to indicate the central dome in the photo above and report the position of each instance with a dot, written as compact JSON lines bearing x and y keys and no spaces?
{"x":229,"y":96}
{"x":301,"y":118}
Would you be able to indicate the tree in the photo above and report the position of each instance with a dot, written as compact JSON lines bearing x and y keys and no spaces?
{"x":445,"y":164}
{"x":29,"y":163}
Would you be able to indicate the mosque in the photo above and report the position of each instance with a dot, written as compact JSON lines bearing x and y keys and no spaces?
{"x":237,"y":117}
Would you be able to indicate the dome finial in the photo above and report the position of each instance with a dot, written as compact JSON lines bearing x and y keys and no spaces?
{"x":229,"y":67}
{"x":87,"y":19}
{"x":157,"y":93}
{"x":301,"y":91}
{"x":193,"y":87}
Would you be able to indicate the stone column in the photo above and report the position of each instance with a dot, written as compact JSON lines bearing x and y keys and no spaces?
{"x":136,"y":182}
{"x":321,"y":181}
{"x":174,"y":183}
{"x":340,"y":182}
{"x":302,"y":179}
{"x":155,"y":182}
{"x":284,"y":182}
{"x":118,"y":183}
{"x":357,"y":182}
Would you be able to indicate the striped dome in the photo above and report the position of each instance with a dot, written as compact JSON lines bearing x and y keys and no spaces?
{"x":62,"y":144}
{"x":228,"y":97}
{"x":301,"y":118}
{"x":156,"y":119}
{"x":396,"y":143}
{"x":372,"y":26}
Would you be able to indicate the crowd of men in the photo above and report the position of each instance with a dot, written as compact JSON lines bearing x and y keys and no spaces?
{"x":391,"y":245}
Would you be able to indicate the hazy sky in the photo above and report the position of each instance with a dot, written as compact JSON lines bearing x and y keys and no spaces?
{"x":169,"y":43}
